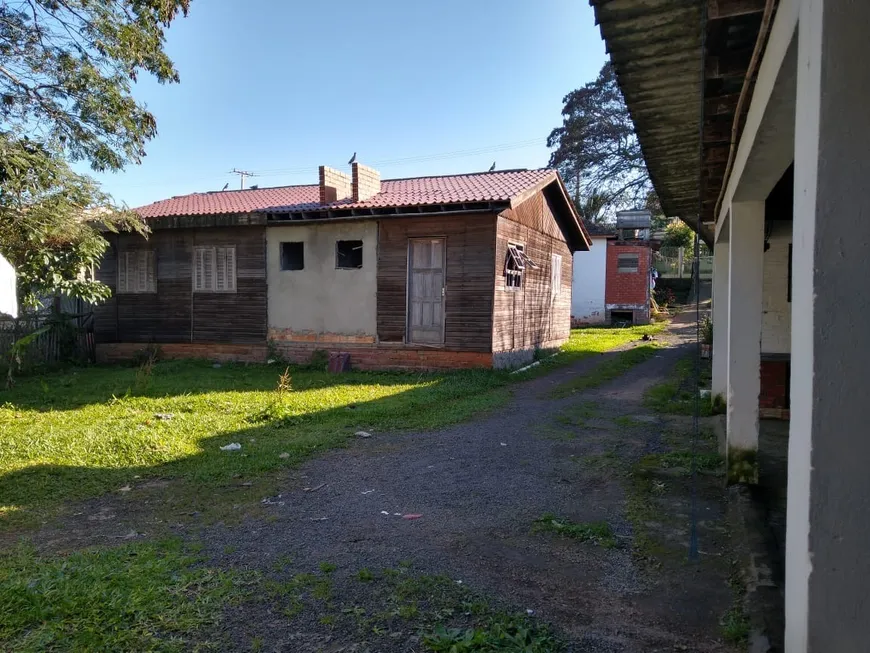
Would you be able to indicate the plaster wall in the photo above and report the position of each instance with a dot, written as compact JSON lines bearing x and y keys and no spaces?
{"x":321,"y":298}
{"x":587,"y":288}
{"x":776,"y":308}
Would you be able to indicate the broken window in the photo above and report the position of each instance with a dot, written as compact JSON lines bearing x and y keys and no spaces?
{"x":627,"y":263}
{"x":292,"y":256}
{"x":514,"y":266}
{"x":349,"y":254}
{"x":516,"y":263}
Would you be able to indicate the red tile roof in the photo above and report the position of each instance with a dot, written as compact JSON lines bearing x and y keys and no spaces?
{"x":418,"y":191}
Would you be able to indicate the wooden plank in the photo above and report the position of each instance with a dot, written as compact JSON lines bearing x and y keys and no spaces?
{"x":175,"y":313}
{"x":469,"y":282}
{"x":719,"y":9}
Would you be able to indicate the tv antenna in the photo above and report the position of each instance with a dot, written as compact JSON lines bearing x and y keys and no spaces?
{"x":242,"y":176}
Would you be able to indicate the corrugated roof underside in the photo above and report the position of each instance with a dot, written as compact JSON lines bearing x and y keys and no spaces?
{"x":655,"y":46}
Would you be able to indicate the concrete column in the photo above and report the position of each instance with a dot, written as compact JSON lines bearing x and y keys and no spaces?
{"x":745,"y":275}
{"x":720,"y":322}
{"x":827,"y":567}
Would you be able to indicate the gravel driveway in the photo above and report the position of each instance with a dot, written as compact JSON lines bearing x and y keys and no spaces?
{"x":477,"y":489}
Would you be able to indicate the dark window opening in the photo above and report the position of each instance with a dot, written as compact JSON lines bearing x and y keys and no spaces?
{"x":292,"y":256}
{"x":627,"y":263}
{"x":621,"y":318}
{"x":516,"y":262}
{"x":514,"y":265}
{"x":349,"y":254}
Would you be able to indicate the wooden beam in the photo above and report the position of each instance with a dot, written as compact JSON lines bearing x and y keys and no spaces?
{"x":721,"y":104}
{"x":732,"y":64}
{"x":718,"y":9}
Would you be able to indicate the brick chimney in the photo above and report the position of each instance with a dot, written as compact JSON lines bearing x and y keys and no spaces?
{"x":366,"y":182}
{"x":334,"y":185}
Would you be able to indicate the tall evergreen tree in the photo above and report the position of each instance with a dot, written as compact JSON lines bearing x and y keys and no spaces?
{"x":597,"y":152}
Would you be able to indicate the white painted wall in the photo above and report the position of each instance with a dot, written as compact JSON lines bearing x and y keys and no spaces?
{"x":776,"y":309}
{"x":587,"y":287}
{"x":321,"y":298}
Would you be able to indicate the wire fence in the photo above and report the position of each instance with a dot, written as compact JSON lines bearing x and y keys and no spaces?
{"x":62,"y":332}
{"x":676,"y":263}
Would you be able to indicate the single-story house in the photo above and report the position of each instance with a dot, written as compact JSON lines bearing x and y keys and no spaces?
{"x":430,"y":272}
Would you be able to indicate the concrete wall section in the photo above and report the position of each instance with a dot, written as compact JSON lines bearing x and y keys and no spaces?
{"x":776,"y":307}
{"x":321,"y":299}
{"x":590,"y":274}
{"x":827,"y":567}
{"x":745,"y":270}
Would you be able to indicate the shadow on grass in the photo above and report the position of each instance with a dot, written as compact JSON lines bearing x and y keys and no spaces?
{"x":79,"y":434}
{"x":276,"y":438}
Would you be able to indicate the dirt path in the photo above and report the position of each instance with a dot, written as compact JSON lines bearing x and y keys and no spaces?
{"x":479,"y":487}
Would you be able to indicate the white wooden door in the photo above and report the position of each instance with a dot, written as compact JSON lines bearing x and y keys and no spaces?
{"x":426,"y":263}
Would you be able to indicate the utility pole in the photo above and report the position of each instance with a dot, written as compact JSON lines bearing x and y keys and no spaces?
{"x":242,"y":176}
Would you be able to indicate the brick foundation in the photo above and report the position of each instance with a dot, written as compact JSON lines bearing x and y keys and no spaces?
{"x":362,"y":356}
{"x":115,"y":352}
{"x":382,"y":357}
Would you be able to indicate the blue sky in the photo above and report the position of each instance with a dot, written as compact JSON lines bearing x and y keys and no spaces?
{"x":278,"y":88}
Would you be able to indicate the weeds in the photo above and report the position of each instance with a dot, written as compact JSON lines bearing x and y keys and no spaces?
{"x":735,"y":626}
{"x":606,"y":371}
{"x":597,"y":532}
{"x":153,"y":596}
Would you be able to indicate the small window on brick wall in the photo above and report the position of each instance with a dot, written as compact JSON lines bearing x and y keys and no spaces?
{"x":136,"y":271}
{"x":627,"y":263}
{"x":349,"y":254}
{"x":292,"y":256}
{"x":214,"y":269}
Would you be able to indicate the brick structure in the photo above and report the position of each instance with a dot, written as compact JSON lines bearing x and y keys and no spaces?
{"x":114,"y":352}
{"x":334,"y":185}
{"x":627,"y":289}
{"x":366,"y":182}
{"x":773,"y":400}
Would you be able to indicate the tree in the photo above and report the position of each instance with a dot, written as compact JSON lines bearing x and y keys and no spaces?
{"x":50,"y":223}
{"x":66,"y":70}
{"x":596,"y":149}
{"x":679,"y":234}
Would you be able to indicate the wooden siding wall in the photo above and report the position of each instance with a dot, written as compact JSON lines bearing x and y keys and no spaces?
{"x":469,"y":282}
{"x":529,"y":316}
{"x":175,"y":313}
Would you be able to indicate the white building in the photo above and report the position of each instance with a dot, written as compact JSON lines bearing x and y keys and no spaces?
{"x":590,"y":276}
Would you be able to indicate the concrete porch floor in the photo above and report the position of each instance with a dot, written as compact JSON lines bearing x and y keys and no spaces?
{"x":769,"y":508}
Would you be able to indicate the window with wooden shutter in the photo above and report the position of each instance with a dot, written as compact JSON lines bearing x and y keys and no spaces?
{"x":136,"y":271}
{"x":556,"y":275}
{"x":214,"y":269}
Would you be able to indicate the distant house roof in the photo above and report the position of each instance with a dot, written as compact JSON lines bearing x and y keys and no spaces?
{"x":598,"y":229}
{"x":417,"y":191}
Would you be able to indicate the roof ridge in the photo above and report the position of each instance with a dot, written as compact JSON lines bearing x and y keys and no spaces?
{"x":455,"y":174}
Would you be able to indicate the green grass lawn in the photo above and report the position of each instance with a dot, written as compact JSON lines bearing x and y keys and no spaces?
{"x":84,"y":432}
